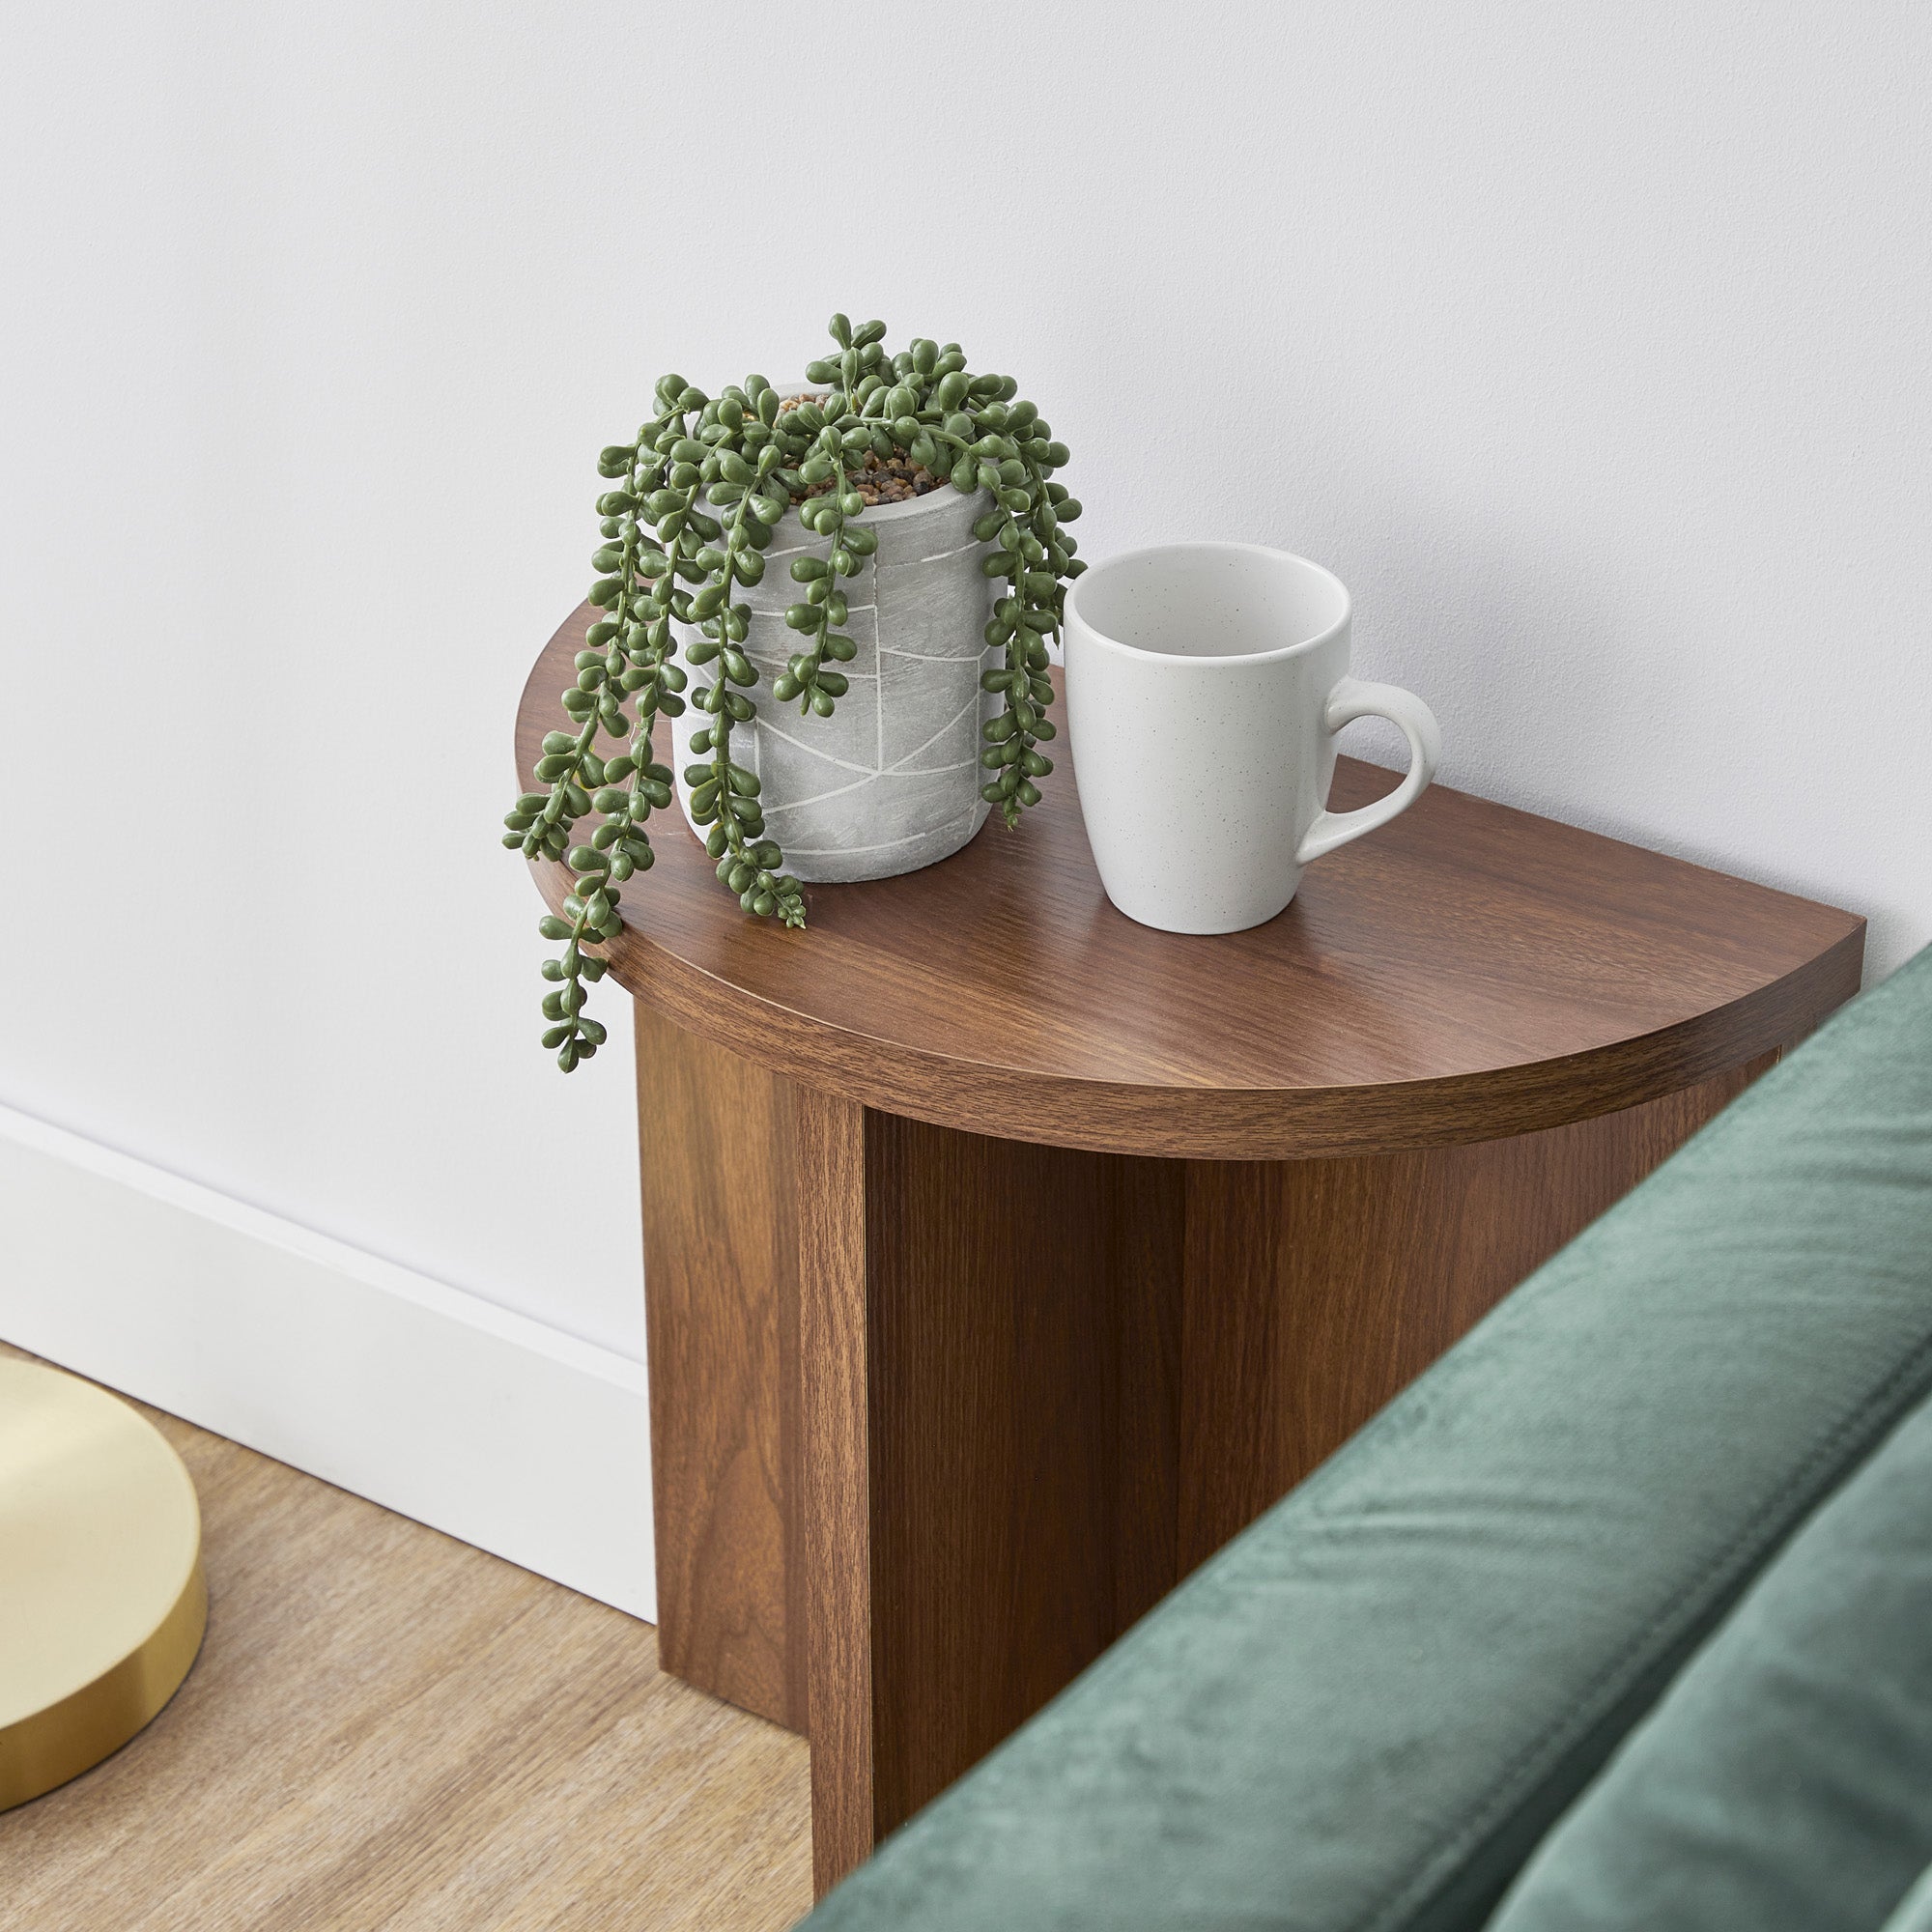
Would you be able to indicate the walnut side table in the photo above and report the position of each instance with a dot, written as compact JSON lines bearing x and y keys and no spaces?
{"x":1005,"y":1258}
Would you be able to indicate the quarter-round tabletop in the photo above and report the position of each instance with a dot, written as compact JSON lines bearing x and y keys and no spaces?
{"x":1004,"y":1258}
{"x":1469,"y":971}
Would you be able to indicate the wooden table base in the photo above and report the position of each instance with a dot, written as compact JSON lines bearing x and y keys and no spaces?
{"x":935,"y":1417}
{"x":1005,"y":1257}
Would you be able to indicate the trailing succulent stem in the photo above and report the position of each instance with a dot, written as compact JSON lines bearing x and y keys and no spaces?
{"x":666,"y":560}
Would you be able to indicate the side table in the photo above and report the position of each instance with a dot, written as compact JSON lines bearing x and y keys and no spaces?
{"x":1005,"y":1258}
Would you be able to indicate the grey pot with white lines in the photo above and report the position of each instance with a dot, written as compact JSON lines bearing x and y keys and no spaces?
{"x":891,"y":780}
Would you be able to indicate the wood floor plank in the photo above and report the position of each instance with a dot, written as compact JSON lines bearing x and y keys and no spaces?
{"x":389,"y":1730}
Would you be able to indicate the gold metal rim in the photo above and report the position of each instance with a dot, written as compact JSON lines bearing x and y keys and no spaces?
{"x":102,"y":1598}
{"x":48,"y":1747}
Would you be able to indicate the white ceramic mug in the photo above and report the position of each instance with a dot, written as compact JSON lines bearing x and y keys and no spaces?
{"x":1204,"y":685}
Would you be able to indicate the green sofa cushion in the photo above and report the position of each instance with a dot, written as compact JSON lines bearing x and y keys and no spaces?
{"x":1784,"y":1781}
{"x":1365,"y":1711}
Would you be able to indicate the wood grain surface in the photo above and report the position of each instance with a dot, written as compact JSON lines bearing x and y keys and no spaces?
{"x":1022,"y":1507}
{"x":1466,"y":973}
{"x":835,"y":1481}
{"x":715,"y":1144}
{"x":388,"y":1729}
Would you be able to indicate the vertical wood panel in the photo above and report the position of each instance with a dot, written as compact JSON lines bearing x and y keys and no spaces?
{"x":835,"y":1486}
{"x":991,"y":1402}
{"x":994,"y":1420}
{"x":1143,"y":1203}
{"x":720,"y":1256}
{"x":1316,"y":1290}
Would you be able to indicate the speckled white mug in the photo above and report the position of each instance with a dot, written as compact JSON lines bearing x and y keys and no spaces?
{"x":1204,"y":685}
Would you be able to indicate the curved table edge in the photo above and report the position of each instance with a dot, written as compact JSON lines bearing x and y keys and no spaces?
{"x":1229,"y":1123}
{"x":1217,"y":1123}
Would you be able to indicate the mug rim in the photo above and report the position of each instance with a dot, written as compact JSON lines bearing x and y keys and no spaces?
{"x":1280,"y":651}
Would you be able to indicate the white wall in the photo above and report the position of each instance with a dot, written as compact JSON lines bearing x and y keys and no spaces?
{"x":1589,"y":343}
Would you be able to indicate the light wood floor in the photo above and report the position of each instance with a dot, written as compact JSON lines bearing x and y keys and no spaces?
{"x":390,"y":1730}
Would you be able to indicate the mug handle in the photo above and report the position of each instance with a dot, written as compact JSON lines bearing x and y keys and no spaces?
{"x":1350,"y":699}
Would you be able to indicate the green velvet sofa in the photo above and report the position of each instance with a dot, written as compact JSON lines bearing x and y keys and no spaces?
{"x":1621,"y":1616}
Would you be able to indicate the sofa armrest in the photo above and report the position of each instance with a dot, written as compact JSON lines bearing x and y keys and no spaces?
{"x":1361,"y":1714}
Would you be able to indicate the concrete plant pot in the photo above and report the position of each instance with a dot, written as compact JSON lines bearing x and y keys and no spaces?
{"x":891,"y":780}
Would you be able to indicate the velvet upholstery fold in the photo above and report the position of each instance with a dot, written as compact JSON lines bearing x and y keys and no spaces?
{"x":1784,"y":1780}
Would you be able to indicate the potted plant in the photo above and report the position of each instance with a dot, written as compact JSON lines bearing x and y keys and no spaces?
{"x":930,"y":484}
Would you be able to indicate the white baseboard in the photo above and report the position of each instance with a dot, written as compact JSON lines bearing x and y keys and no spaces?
{"x":481,"y":1423}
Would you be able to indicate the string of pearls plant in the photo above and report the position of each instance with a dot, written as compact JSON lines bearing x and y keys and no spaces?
{"x":667,"y":559}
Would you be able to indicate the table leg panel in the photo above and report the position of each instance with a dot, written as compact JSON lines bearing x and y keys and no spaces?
{"x":1007,"y":1306}
{"x":715,"y":1151}
{"x":835,"y":1484}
